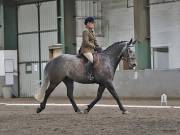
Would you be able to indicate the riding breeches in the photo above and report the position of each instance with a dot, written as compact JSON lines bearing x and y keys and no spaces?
{"x":89,"y":56}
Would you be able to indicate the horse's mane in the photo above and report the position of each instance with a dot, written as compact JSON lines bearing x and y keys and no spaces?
{"x":108,"y":49}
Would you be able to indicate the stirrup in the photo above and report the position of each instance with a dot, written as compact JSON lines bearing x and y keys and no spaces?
{"x":91,"y":77}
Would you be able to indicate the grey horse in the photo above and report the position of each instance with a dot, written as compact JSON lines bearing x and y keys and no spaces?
{"x":70,"y":68}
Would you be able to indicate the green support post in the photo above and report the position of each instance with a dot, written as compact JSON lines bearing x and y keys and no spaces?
{"x":60,"y":23}
{"x":142,"y":33}
{"x":69,"y":27}
{"x":142,"y":50}
{"x":66,"y":25}
{"x":10,"y":25}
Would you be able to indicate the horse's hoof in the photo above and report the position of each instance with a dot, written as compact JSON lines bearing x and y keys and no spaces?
{"x":86,"y":111}
{"x":38,"y":110}
{"x":79,"y":112}
{"x":125,"y":112}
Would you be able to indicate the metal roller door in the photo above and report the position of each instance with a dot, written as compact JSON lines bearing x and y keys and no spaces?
{"x":34,"y":37}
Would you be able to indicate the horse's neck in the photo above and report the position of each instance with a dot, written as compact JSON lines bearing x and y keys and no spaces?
{"x":115,"y":54}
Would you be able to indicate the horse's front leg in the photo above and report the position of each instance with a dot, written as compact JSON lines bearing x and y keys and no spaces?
{"x":111,"y":89}
{"x":98,"y":97}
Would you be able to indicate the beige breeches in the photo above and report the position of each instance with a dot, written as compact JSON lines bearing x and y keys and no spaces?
{"x":89,"y":56}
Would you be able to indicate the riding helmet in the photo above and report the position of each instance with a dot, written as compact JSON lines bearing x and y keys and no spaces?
{"x":89,"y":19}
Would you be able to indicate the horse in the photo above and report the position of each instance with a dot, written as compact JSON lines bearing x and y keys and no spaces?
{"x":69,"y":68}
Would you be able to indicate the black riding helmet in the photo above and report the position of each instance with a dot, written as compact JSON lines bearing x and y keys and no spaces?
{"x":89,"y":19}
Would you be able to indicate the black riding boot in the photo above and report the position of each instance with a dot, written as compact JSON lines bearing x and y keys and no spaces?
{"x":89,"y":70}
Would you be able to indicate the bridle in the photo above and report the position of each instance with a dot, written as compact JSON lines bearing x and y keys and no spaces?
{"x":128,"y":57}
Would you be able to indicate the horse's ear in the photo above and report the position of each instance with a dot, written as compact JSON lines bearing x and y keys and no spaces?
{"x":130,"y":42}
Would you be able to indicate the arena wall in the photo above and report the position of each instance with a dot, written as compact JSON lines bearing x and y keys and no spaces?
{"x":133,"y":84}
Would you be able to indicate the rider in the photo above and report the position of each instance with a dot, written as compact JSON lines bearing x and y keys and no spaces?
{"x":89,"y":44}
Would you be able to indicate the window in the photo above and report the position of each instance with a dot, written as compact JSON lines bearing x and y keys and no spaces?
{"x":130,"y":3}
{"x":161,"y":58}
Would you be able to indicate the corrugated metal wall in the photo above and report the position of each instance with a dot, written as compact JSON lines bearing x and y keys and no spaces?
{"x":29,"y":45}
{"x":48,"y":16}
{"x":27,"y":18}
{"x":28,"y":48}
{"x":48,"y":19}
{"x":47,"y":39}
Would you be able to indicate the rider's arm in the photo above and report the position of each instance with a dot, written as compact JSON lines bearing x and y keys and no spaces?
{"x":86,"y":40}
{"x":95,"y":43}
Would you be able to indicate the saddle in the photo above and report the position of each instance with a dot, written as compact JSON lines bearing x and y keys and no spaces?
{"x":85,"y":60}
{"x":95,"y":54}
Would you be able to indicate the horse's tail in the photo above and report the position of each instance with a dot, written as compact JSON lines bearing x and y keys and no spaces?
{"x":39,"y":96}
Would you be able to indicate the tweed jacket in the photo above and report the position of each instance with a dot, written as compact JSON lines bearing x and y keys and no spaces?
{"x":89,"y":42}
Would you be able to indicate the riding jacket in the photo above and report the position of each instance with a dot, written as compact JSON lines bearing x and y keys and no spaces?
{"x":89,"y":42}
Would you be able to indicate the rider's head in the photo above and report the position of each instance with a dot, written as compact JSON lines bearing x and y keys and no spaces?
{"x":89,"y":22}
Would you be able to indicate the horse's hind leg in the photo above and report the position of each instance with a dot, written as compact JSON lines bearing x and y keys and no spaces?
{"x":98,"y":97}
{"x":70,"y":88}
{"x":111,"y":89}
{"x":51,"y":87}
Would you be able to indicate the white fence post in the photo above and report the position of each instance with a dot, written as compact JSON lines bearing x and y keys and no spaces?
{"x":163,"y":99}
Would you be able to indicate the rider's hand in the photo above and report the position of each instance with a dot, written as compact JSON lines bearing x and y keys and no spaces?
{"x":98,"y":49}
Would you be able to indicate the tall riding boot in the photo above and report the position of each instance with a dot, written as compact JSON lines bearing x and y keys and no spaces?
{"x":89,"y":70}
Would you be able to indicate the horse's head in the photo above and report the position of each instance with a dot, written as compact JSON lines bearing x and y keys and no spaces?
{"x":122,"y":50}
{"x":128,"y":55}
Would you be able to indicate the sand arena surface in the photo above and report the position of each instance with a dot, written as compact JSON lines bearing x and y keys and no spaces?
{"x":62,"y":120}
